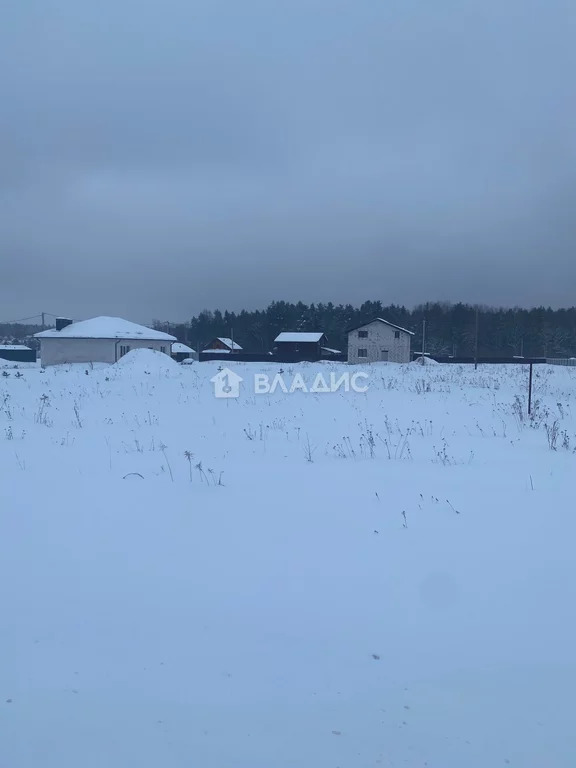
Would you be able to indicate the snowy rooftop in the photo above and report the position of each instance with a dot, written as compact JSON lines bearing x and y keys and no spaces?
{"x":331,"y":351}
{"x":229,"y":343}
{"x":13,"y":346}
{"x":381,"y":320}
{"x":303,"y":337}
{"x":106,"y":328}
{"x":179,"y":348}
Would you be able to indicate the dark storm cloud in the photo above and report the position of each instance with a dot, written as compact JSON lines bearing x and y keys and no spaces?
{"x":158,"y":159}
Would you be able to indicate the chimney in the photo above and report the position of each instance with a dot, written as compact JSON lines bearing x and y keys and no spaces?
{"x":62,"y":322}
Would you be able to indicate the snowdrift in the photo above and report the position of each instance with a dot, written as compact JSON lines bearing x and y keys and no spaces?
{"x":147,"y":361}
{"x":423,"y":360}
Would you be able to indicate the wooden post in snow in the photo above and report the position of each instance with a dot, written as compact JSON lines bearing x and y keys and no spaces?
{"x":476,"y":342}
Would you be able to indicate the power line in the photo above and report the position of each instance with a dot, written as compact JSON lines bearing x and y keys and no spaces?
{"x":22,"y":319}
{"x":32,"y":317}
{"x":40,"y":315}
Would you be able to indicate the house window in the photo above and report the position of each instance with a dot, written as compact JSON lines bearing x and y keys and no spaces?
{"x":124,"y":349}
{"x":362,"y":353}
{"x":163,"y":349}
{"x":362,"y":334}
{"x":396,"y":334}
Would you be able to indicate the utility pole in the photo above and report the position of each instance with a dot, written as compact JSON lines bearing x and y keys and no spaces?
{"x":423,"y":337}
{"x":476,"y":343}
{"x":43,"y":323}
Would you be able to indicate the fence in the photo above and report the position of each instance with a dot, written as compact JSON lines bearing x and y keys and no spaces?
{"x":248,"y":357}
{"x":239,"y":357}
{"x":561,"y":361}
{"x":260,"y":357}
{"x":489,"y":360}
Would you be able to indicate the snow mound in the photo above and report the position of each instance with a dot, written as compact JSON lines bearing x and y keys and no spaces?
{"x":426,"y":361}
{"x":147,"y":361}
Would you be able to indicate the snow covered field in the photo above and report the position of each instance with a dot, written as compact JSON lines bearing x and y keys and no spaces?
{"x":307,"y":580}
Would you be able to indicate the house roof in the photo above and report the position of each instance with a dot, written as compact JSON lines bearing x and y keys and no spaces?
{"x":380,"y":320}
{"x":299,"y":336}
{"x":106,"y":328}
{"x":229,"y":343}
{"x":179,"y":348}
{"x":11,"y":347}
{"x":331,"y":351}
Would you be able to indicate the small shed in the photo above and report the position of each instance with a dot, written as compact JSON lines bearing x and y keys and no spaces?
{"x":330,"y":353}
{"x":300,"y":345}
{"x":17,"y":353}
{"x":182,"y":352}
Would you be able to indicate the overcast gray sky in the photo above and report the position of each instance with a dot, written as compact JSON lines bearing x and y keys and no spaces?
{"x":161,"y":158}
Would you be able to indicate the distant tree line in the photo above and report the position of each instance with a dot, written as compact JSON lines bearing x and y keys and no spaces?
{"x":450,"y":328}
{"x":17,"y":333}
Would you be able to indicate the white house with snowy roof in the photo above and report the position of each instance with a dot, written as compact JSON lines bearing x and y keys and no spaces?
{"x":379,"y":341}
{"x":99,"y":340}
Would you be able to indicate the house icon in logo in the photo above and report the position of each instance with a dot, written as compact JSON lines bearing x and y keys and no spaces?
{"x":226,"y":383}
